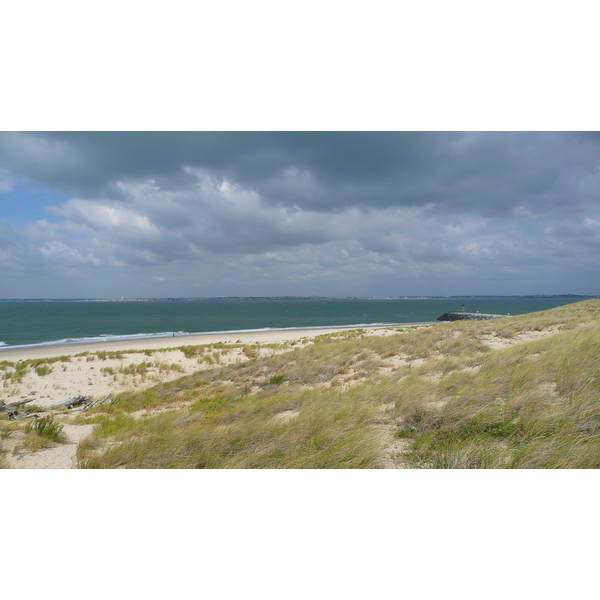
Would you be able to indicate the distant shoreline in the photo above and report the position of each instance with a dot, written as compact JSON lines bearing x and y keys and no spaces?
{"x":183,"y":299}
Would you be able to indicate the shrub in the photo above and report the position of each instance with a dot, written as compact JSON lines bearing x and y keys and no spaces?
{"x":250,"y":352}
{"x":190,"y":351}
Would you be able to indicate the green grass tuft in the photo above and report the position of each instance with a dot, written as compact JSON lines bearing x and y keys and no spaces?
{"x":45,"y":427}
{"x":43,"y":370}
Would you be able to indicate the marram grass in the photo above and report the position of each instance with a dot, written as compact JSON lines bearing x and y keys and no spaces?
{"x":453,"y":400}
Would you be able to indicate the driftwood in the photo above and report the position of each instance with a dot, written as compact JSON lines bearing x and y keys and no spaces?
{"x":97,"y":402}
{"x":70,"y":402}
{"x":12,"y":409}
{"x":27,"y":415}
{"x":12,"y":413}
{"x":15,"y":404}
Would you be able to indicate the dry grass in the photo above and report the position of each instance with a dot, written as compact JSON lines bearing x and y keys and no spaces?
{"x":455,"y":402}
{"x":536,"y":404}
{"x":6,"y":430}
{"x":331,"y":431}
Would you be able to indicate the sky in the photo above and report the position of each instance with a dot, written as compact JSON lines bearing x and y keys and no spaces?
{"x":198,"y":214}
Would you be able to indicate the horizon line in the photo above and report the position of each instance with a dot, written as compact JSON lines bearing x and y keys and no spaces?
{"x":297,"y":297}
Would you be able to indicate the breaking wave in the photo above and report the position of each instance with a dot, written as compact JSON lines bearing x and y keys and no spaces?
{"x":166,"y":334}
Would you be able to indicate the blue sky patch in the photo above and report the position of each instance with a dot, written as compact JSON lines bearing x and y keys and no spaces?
{"x":27,"y":201}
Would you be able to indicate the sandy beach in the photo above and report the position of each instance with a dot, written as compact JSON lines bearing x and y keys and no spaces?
{"x":274,"y":336}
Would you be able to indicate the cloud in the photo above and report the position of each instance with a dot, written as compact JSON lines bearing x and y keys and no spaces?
{"x":308,"y":212}
{"x":482,"y":172}
{"x":6,"y":183}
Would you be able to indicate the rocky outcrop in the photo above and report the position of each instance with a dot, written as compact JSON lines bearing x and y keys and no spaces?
{"x":465,"y":316}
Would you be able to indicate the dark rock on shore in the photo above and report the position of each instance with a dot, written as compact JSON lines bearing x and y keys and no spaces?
{"x":465,"y":316}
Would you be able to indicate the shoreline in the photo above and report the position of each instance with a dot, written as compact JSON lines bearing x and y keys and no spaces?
{"x":98,"y":368}
{"x":16,"y":353}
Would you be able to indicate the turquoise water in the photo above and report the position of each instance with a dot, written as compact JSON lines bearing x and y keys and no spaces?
{"x":25,"y":323}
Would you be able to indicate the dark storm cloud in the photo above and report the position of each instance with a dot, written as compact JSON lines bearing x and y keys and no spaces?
{"x":489,"y":173}
{"x":250,"y":158}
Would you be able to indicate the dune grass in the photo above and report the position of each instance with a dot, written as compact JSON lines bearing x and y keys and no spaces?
{"x":39,"y":433}
{"x":45,"y":427}
{"x":536,"y":404}
{"x":331,"y":430}
{"x":454,"y":401}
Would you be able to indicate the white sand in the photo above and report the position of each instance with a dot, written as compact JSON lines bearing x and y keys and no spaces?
{"x":58,"y":456}
{"x":261,"y":337}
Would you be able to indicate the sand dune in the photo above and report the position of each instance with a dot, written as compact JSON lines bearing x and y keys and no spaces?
{"x":95,"y":369}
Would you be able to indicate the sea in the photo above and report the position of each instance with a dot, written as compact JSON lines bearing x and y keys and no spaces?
{"x":45,"y":322}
